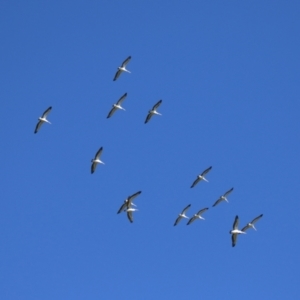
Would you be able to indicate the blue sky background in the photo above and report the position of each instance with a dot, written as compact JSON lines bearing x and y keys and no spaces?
{"x":228,"y":74}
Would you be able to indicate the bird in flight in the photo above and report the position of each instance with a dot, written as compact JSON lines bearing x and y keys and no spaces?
{"x":96,"y":160}
{"x":42,"y":119}
{"x":122,"y":68}
{"x":128,"y":202}
{"x":223,"y":197}
{"x":251,"y":224}
{"x":201,"y":177}
{"x":117,"y":106}
{"x":197,"y":216}
{"x":153,"y":111}
{"x":182,"y":215}
{"x":235,"y":231}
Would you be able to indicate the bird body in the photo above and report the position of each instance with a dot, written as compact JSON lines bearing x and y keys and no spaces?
{"x":251,"y":224}
{"x":198,"y":215}
{"x":43,"y":119}
{"x":223,"y":197}
{"x":117,"y":106}
{"x":122,"y":68}
{"x":201,"y":177}
{"x":182,"y":215}
{"x":235,"y":231}
{"x":95,"y":161}
{"x":128,"y":202}
{"x":153,"y":111}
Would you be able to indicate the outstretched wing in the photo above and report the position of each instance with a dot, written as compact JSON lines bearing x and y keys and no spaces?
{"x":217,"y":202}
{"x":233,"y":238}
{"x":112,"y":111}
{"x":236,"y":222}
{"x":206,"y":171}
{"x":122,"y":99}
{"x":129,"y":216}
{"x":256,"y":219}
{"x":246,"y":227}
{"x":185,"y":209}
{"x":93,"y":167}
{"x":228,"y":192}
{"x":122,"y":207}
{"x":99,"y":152}
{"x":201,"y":211}
{"x":148,"y":117}
{"x":177,"y":220}
{"x":130,"y":198}
{"x":38,"y":126}
{"x":126,"y":61}
{"x":157,"y":105}
{"x":196,"y":181}
{"x":118,"y":73}
{"x":191,"y":220}
{"x":46,"y":112}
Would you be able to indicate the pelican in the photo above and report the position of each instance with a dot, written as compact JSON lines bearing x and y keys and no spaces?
{"x":153,"y":111}
{"x":235,"y":231}
{"x":122,"y":68}
{"x":128,"y":202}
{"x":42,"y":119}
{"x":251,"y":224}
{"x":197,"y":216}
{"x":201,"y":177}
{"x":182,"y":215}
{"x":117,"y":106}
{"x":129,"y":213}
{"x":96,"y":160}
{"x":223,"y":198}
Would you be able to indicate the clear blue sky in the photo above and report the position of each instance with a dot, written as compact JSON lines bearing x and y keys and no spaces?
{"x":228,"y":74}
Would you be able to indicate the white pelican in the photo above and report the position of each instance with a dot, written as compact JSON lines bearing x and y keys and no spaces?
{"x":122,"y":68}
{"x":197,"y":216}
{"x":223,"y":198}
{"x":42,"y":119}
{"x":153,"y":111}
{"x":128,"y":202}
{"x":251,"y":224}
{"x":201,"y":177}
{"x":182,"y":215}
{"x":129,"y":213}
{"x":117,"y":106}
{"x":235,"y":231}
{"x":96,"y":160}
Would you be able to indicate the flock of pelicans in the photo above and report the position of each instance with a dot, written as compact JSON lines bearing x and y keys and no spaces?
{"x":128,"y":206}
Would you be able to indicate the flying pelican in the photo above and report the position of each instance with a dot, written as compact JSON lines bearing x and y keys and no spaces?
{"x":96,"y":160}
{"x":235,"y":231}
{"x":117,"y":106}
{"x":201,"y":177}
{"x":129,"y":213}
{"x":153,"y":111}
{"x":182,"y":215}
{"x":197,"y":216}
{"x":128,"y":202}
{"x":223,"y":198}
{"x":42,"y":119}
{"x":251,"y":224}
{"x":122,"y":68}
